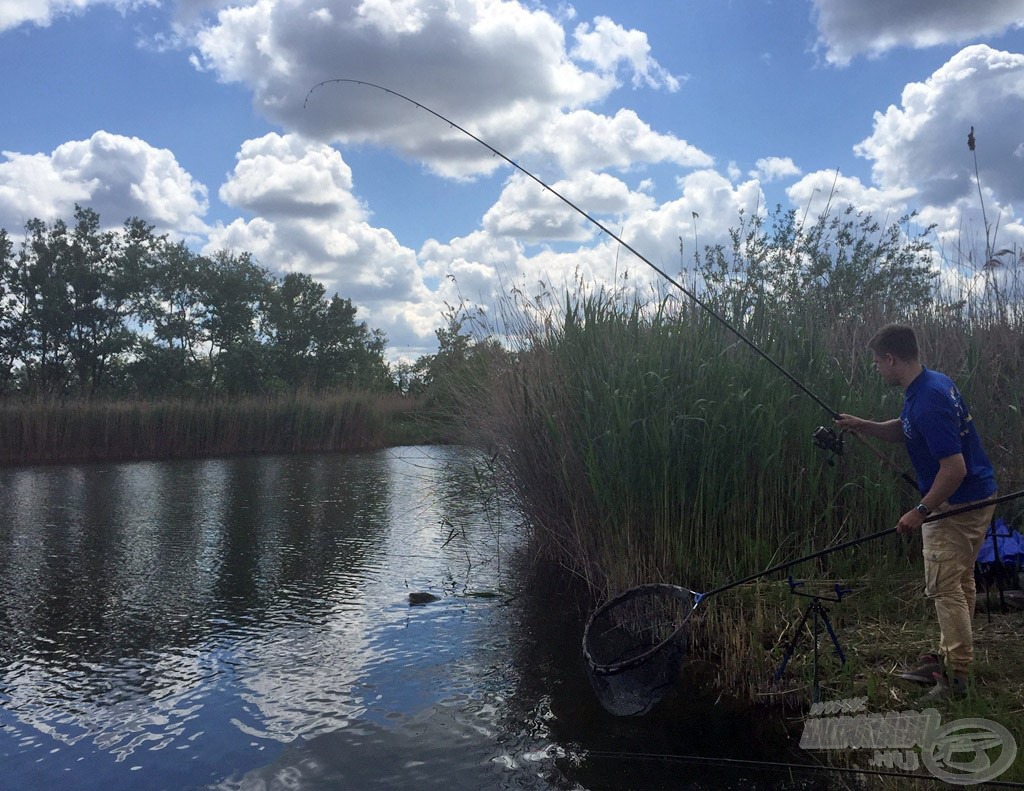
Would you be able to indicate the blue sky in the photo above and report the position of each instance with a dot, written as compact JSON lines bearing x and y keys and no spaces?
{"x":190,"y":115}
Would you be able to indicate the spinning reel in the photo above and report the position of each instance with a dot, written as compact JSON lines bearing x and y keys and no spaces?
{"x":830,"y":441}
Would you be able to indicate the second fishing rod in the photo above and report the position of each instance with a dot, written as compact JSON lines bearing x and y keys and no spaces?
{"x":824,"y":437}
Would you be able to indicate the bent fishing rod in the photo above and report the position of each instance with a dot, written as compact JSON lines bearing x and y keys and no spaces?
{"x":836,"y":442}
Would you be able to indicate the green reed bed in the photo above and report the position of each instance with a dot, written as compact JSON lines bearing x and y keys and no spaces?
{"x":646,"y":443}
{"x":91,"y":430}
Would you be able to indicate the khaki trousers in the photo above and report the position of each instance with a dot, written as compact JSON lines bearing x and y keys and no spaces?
{"x":951,"y":546}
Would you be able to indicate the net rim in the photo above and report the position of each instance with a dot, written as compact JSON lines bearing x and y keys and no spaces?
{"x":647,"y":589}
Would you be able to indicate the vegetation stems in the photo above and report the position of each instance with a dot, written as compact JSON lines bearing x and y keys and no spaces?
{"x":972,"y":145}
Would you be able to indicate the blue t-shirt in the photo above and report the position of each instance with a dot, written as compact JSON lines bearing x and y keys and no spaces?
{"x":936,"y":424}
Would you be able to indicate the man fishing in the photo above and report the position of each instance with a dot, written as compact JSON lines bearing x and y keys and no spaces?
{"x":952,"y":471}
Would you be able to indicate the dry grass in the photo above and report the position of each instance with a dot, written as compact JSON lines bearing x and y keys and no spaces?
{"x":883,"y":627}
{"x":73,"y":431}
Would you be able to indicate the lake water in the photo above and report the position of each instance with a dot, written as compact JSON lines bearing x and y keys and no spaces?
{"x":244,"y":623}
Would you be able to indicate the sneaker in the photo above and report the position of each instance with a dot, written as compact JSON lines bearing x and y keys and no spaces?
{"x":929,"y":665}
{"x":946,"y":688}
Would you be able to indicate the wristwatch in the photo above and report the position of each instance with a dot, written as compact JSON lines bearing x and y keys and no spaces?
{"x":923,"y":509}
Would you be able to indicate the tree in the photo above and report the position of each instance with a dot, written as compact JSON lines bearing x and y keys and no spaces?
{"x":104,"y":280}
{"x":349,"y":353}
{"x":461,"y":365}
{"x":42,"y":293}
{"x":296,"y":318}
{"x":87,"y":310}
{"x":67,"y":299}
{"x":11,"y":320}
{"x":172,"y":310}
{"x":317,"y":341}
{"x":843,"y":265}
{"x":235,"y":291}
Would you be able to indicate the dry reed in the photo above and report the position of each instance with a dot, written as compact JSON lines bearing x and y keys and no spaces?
{"x":91,"y":430}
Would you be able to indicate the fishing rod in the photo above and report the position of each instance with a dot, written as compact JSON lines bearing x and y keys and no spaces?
{"x":836,"y":441}
{"x":692,"y":599}
{"x":634,"y":643}
{"x":857,"y":541}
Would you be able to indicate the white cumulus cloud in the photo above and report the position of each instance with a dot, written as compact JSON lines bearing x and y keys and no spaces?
{"x":608,"y":45}
{"x":769,"y":169}
{"x":584,"y":140}
{"x":285,"y":175}
{"x":42,"y":12}
{"x":872,"y":27}
{"x":827,"y":191}
{"x":498,"y":67}
{"x":531,"y":213}
{"x":473,"y":265}
{"x":309,"y":220}
{"x":118,"y":176}
{"x":922,"y":163}
{"x":708,"y":205}
{"x":923,"y":142}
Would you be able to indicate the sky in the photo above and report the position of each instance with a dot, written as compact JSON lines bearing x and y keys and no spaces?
{"x":664,"y":120}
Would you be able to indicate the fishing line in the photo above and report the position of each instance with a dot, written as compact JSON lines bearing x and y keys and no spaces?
{"x":832,"y":412}
{"x":611,"y":234}
{"x":775,"y":765}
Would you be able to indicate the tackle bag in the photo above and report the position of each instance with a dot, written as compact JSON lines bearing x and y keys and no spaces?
{"x":1000,"y":561}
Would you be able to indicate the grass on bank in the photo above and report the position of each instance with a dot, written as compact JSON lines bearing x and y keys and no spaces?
{"x":883,"y":626}
{"x":33,"y":432}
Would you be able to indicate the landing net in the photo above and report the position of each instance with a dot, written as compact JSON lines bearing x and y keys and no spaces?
{"x":634,"y":646}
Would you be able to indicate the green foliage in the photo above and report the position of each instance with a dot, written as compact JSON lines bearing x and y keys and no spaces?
{"x":67,"y":304}
{"x":452,"y":379}
{"x":11,"y":328}
{"x":839,"y":267}
{"x":90,"y":312}
{"x":647,"y":443}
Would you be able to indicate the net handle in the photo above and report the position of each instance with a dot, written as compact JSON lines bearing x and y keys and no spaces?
{"x":679,"y":592}
{"x":872,"y":536}
{"x":651,"y":588}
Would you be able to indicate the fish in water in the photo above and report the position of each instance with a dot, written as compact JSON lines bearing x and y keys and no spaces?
{"x":422,"y":597}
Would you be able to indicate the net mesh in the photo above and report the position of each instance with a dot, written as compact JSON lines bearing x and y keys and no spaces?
{"x":634,"y":646}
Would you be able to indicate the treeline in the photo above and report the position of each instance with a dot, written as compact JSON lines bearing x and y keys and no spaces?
{"x":129,"y":313}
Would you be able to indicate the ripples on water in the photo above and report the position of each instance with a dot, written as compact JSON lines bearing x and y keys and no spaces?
{"x":180,"y":624}
{"x":243,"y":624}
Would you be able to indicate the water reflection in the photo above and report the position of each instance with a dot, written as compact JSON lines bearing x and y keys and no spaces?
{"x":244,"y":624}
{"x":174,"y":620}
